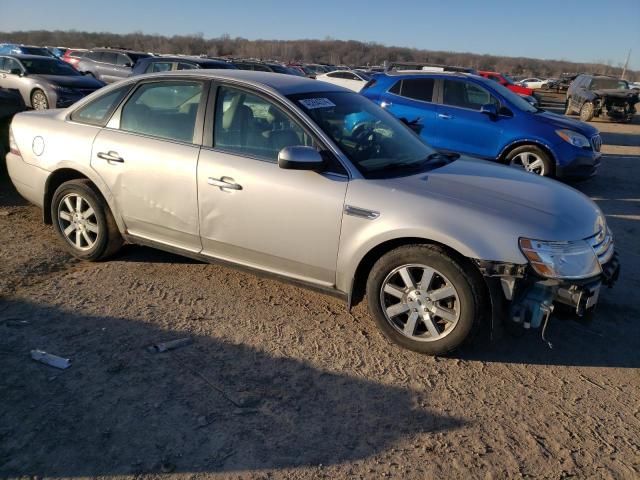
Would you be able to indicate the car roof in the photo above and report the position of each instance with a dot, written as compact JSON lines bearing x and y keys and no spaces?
{"x":278,"y":82}
{"x":24,"y":56}
{"x":424,"y":73}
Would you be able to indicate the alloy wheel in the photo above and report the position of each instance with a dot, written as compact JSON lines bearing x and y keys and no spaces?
{"x":78,"y":222}
{"x":420,"y":302}
{"x":529,"y":161}
{"x":39,"y":101}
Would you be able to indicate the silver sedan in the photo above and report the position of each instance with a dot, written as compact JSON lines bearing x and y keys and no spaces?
{"x":318,"y":185}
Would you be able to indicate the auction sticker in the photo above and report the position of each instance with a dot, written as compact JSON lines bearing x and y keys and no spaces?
{"x":311,"y":103}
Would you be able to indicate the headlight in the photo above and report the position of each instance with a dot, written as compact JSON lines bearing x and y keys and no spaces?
{"x":568,"y":260}
{"x":60,"y":89}
{"x":574,"y":138}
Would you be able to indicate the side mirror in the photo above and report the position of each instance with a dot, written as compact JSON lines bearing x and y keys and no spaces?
{"x":300,"y":158}
{"x":16,"y":71}
{"x":489,"y":109}
{"x":128,"y":64}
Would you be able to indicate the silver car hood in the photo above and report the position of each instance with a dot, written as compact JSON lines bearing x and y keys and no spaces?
{"x":538,"y":207}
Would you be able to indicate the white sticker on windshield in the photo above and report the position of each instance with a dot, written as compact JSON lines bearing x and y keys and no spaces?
{"x":311,"y":103}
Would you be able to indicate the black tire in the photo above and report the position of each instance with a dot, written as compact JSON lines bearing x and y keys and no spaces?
{"x":107,"y":240}
{"x":467,"y":285}
{"x":567,"y":107}
{"x":586,"y":111}
{"x":549,"y":167}
{"x":39,"y":100}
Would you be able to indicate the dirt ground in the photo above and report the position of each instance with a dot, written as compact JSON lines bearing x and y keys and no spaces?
{"x":281,"y":382}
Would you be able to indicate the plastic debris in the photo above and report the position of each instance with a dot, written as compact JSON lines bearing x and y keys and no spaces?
{"x":51,"y":360}
{"x":170,"y":345}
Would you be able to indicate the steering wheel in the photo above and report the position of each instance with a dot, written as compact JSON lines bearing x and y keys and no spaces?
{"x":366,"y":138}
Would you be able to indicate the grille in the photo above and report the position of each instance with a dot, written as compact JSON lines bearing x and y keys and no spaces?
{"x":602,"y":244}
{"x":596,"y":143}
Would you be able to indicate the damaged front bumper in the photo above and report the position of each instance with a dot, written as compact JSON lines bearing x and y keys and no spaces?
{"x":520,"y":296}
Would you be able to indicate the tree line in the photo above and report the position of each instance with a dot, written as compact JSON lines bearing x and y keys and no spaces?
{"x":337,"y":52}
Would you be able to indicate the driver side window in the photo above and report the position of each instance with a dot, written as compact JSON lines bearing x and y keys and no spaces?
{"x":466,"y":95}
{"x":250,"y":125}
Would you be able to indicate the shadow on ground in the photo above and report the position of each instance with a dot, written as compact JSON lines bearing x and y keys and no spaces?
{"x":208,"y":407}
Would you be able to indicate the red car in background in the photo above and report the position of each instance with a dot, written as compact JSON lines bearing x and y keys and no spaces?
{"x":505,"y":81}
{"x":73,"y":55}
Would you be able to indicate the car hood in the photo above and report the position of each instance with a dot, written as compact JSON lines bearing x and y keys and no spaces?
{"x":505,"y":200}
{"x":67,"y":81}
{"x":561,"y":121}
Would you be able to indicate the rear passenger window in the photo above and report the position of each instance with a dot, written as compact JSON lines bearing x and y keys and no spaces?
{"x":418,"y":89}
{"x":97,"y":56}
{"x":159,"y":67}
{"x":186,"y":66}
{"x":109,"y":57}
{"x":123,"y":60}
{"x":163,"y":109}
{"x":396,"y":88}
{"x":99,"y":110}
{"x":252,"y":126}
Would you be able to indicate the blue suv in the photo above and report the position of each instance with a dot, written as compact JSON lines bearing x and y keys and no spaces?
{"x":468,"y":114}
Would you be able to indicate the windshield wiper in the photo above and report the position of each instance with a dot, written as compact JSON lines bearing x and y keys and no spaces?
{"x":443,"y":156}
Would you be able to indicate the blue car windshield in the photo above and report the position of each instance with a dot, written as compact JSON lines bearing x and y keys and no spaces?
{"x":513,"y":98}
{"x":377,"y":143}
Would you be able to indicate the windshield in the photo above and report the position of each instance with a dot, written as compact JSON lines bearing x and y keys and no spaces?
{"x":36,"y":51}
{"x":48,"y":66}
{"x":513,"y":98}
{"x":608,"y":83}
{"x":377,"y":143}
{"x":509,"y":80}
{"x":137,"y":56}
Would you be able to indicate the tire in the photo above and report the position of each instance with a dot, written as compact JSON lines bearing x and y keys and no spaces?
{"x":567,"y":108}
{"x":96,"y":235}
{"x":532,"y":159}
{"x":462,"y":307}
{"x":586,"y":112}
{"x":39,"y":100}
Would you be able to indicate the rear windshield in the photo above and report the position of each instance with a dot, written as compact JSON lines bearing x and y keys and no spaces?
{"x":48,"y":66}
{"x":36,"y":51}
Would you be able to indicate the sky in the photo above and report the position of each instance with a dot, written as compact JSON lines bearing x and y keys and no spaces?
{"x":574,"y":30}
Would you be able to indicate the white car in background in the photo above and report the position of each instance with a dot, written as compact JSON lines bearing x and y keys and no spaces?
{"x":533,"y":83}
{"x":352,"y":79}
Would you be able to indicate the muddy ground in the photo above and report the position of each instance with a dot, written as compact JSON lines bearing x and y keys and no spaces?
{"x":281,"y":382}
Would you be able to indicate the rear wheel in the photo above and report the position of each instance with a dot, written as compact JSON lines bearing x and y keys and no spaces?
{"x":586,"y":112}
{"x":423,"y":299}
{"x":532,"y":159}
{"x":39,"y":100}
{"x":567,"y":108}
{"x":82,"y":218}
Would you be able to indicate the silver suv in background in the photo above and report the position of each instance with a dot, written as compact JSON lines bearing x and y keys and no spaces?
{"x":316,"y":184}
{"x":109,"y":65}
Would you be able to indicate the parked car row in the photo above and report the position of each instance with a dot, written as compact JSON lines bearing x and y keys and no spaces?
{"x":317,"y":184}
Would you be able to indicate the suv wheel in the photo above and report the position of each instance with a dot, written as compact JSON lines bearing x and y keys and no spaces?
{"x":532,"y":159}
{"x":586,"y":112}
{"x":422,"y":299}
{"x":39,"y":100}
{"x":83,"y":220}
{"x":567,"y":108}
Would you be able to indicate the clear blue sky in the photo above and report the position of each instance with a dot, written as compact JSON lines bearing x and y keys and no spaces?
{"x":587,"y":30}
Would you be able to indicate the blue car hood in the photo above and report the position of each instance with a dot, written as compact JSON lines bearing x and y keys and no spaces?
{"x":561,"y":121}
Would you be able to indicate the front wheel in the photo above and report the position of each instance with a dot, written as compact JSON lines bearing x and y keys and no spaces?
{"x":423,"y":299}
{"x":532,"y":159}
{"x":81,"y":217}
{"x":39,"y":100}
{"x":586,"y":112}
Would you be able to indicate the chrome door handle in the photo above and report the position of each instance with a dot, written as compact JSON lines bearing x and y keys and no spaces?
{"x":445,"y":116}
{"x":111,"y":156}
{"x":221,"y":183}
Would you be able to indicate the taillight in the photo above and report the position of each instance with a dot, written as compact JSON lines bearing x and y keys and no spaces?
{"x":13,"y":146}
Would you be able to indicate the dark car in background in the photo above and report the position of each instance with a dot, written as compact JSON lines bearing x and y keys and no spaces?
{"x":265,"y":67}
{"x":45,"y":82}
{"x":169,"y":64}
{"x":10,"y":103}
{"x":18,"y":49}
{"x":109,"y":64}
{"x":595,"y":95}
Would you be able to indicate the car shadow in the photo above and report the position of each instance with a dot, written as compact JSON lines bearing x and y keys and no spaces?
{"x":211,"y":406}
{"x":620,"y":139}
{"x":9,"y":196}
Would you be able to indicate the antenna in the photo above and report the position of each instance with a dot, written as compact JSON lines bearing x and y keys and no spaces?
{"x":624,"y":69}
